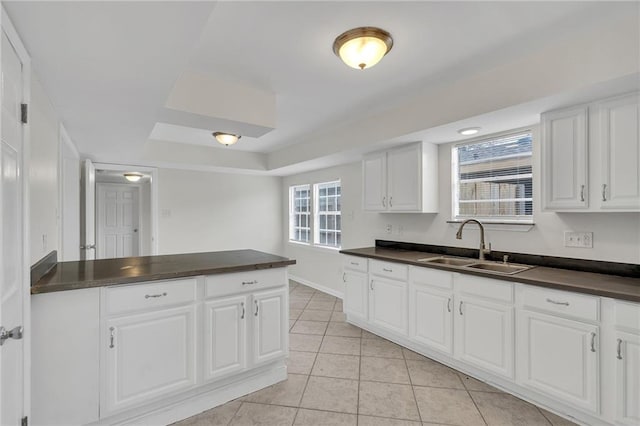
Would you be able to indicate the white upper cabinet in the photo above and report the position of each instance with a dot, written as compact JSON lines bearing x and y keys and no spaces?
{"x":564,"y":159}
{"x":619,"y":119}
{"x":403,"y":179}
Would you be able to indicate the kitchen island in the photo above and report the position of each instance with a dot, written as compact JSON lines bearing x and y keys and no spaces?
{"x":156,"y":339}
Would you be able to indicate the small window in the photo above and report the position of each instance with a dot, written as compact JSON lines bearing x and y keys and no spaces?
{"x":300,"y":213}
{"x":327,"y":214}
{"x":493,"y":179}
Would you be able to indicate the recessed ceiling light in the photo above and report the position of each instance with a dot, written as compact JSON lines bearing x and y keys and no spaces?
{"x":133,"y":177}
{"x":362,"y":47}
{"x":469,"y":131}
{"x":226,"y":138}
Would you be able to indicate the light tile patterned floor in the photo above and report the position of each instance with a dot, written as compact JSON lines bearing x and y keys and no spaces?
{"x":342,"y":375}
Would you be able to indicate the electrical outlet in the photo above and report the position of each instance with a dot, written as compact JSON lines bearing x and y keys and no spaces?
{"x":578,"y":239}
{"x":389,"y":228}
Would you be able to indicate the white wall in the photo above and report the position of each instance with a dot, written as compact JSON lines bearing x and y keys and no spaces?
{"x":616,"y":236}
{"x":203,"y":211}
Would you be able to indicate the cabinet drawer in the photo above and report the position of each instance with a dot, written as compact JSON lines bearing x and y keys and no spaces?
{"x":354,"y":263}
{"x":152,"y":295}
{"x":389,"y":270}
{"x":431,"y":277}
{"x":224,"y":284}
{"x":628,"y":315}
{"x":573,"y":305}
{"x":487,"y":288}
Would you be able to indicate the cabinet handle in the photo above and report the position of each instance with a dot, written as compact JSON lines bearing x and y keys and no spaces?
{"x":147,"y":296}
{"x":355,"y":263}
{"x":111,"y":336}
{"x":242,"y":305}
{"x":257,"y":308}
{"x":391,"y":201}
{"x":604,"y":192}
{"x":619,"y":349}
{"x":344,"y":277}
{"x":581,"y":192}
{"x":371,"y":285}
{"x":449,"y":305}
{"x":460,"y":308}
{"x":249,"y":282}
{"x":387,"y":270}
{"x":593,"y":342}
{"x":384,"y":201}
{"x":555,"y":302}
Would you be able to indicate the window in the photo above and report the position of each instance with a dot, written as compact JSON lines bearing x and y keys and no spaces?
{"x":327,"y":217}
{"x":300,"y":213}
{"x":493,"y":179}
{"x":326,"y":221}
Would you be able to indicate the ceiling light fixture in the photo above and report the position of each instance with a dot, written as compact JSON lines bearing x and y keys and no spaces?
{"x":469,"y":131}
{"x":362,"y":47}
{"x":133,"y":177}
{"x":226,"y":138}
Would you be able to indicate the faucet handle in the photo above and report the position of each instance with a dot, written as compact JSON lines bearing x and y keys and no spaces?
{"x":505,"y":259}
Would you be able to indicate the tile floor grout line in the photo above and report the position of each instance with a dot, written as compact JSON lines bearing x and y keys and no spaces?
{"x":415,"y":398}
{"x":545,"y":417}
{"x":477,"y":408}
{"x":235,"y":412}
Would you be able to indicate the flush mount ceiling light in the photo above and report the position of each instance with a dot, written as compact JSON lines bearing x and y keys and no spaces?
{"x":469,"y":131}
{"x":133,"y":177}
{"x":226,"y":138}
{"x":362,"y":47}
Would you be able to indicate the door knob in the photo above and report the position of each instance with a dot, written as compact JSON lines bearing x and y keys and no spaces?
{"x":15,"y":333}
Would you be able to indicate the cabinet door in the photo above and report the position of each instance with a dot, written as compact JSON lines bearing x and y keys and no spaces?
{"x":484,"y":335}
{"x":356,"y":294}
{"x":388,"y":304}
{"x":627,"y":379}
{"x":225,"y":334}
{"x":148,"y":356}
{"x":404,"y":177}
{"x":374,"y":182}
{"x":564,"y":159}
{"x":431,"y":317}
{"x":559,"y":357}
{"x":620,"y":153}
{"x":270,"y":313}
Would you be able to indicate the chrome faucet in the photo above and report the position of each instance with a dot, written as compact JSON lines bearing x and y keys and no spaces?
{"x":483,"y":250}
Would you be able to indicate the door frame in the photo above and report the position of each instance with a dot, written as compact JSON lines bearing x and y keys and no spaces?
{"x":154,"y":195}
{"x":65,"y":139}
{"x":138,"y":188}
{"x":7,"y":26}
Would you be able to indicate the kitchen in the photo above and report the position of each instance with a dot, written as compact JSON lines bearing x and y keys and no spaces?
{"x":315,"y":133}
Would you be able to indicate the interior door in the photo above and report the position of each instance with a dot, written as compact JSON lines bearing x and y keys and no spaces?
{"x":11,"y":249}
{"x":118,"y":220}
{"x":88,"y":216}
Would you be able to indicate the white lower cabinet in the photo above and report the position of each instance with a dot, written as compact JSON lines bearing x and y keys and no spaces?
{"x":270,"y":325}
{"x":559,"y":357}
{"x":225,"y":335}
{"x":627,"y":391}
{"x":147,"y":356}
{"x":356,"y":294}
{"x":388,"y":304}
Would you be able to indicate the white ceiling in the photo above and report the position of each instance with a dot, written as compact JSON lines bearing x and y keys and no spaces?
{"x":109,"y":67}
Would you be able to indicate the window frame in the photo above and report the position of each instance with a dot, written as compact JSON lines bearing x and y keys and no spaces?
{"x":293,"y":213}
{"x":317,"y":213}
{"x":455,"y":188}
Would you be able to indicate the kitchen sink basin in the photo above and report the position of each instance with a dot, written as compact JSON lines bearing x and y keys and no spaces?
{"x":500,"y":268}
{"x":451,"y":261}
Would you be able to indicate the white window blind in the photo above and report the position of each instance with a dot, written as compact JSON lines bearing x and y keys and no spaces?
{"x":493,"y":179}
{"x":328,"y":218}
{"x":300,"y":213}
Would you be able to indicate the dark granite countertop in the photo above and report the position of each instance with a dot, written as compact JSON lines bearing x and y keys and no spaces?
{"x":617,"y":287}
{"x":105,"y":272}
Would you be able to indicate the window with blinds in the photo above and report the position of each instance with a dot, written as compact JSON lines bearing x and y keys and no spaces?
{"x":493,"y":179}
{"x":300,"y":213}
{"x":328,"y":217}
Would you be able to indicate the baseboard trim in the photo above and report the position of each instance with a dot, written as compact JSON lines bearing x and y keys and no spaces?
{"x":317,"y":286}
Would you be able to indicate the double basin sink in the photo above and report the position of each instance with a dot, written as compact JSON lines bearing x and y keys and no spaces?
{"x":483,"y":265}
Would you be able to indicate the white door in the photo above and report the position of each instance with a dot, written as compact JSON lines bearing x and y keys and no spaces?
{"x":388,"y":304}
{"x":431,"y":317}
{"x":628,"y":379}
{"x":117,"y":220}
{"x":374,"y":182}
{"x":356,"y":294}
{"x":270,"y":313}
{"x":88,"y":213}
{"x":564,"y":159}
{"x":559,"y":357}
{"x":148,"y":356}
{"x":404,"y":179}
{"x":69,"y":199}
{"x":620,"y":153}
{"x":11,"y":254}
{"x":225,"y":336}
{"x":484,"y":335}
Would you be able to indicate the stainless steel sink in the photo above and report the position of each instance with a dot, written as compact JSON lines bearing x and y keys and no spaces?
{"x":451,"y":261}
{"x":500,"y":268}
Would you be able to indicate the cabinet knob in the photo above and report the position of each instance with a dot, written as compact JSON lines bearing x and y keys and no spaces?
{"x":460,"y":308}
{"x":593,"y":342}
{"x":581,"y":192}
{"x":111,"y":337}
{"x":604,"y":192}
{"x":384,"y":201}
{"x":619,"y":349}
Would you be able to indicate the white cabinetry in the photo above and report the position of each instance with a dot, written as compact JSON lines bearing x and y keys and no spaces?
{"x":388,"y":296}
{"x":627,"y":363}
{"x":270,"y":325}
{"x":403,"y":179}
{"x":225,"y":331}
{"x":356,"y":287}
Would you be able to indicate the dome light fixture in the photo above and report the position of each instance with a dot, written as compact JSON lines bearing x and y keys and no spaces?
{"x":362,"y":47}
{"x":133,"y":176}
{"x":226,"y":138}
{"x":469,"y":131}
